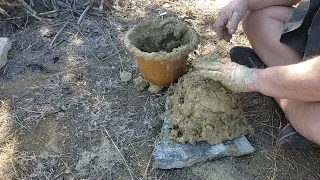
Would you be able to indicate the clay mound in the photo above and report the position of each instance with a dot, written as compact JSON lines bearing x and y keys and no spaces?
{"x":204,"y":110}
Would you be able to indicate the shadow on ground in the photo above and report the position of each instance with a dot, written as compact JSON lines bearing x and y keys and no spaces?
{"x":65,"y":114}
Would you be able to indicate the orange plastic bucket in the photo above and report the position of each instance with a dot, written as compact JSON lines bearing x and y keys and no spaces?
{"x":162,"y":72}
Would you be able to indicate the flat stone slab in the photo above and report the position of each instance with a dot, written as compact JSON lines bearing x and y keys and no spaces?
{"x":170,"y":154}
{"x":5,"y":46}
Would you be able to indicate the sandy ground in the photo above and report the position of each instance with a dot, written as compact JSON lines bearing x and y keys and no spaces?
{"x":65,"y":114}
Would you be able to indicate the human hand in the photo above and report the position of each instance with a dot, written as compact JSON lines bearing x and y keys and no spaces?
{"x":231,"y":14}
{"x":234,"y":76}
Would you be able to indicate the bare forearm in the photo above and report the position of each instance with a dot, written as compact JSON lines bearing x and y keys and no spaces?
{"x":259,"y":4}
{"x":298,"y":82}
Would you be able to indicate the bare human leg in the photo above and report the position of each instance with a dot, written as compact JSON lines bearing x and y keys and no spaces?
{"x":263,"y":29}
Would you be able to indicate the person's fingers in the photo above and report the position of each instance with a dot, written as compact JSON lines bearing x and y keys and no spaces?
{"x":214,"y":75}
{"x":221,"y":23}
{"x":234,"y":22}
{"x":213,"y":63}
{"x":227,"y":37}
{"x":206,"y":66}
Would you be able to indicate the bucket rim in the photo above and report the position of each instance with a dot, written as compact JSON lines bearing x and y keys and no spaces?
{"x":161,"y":55}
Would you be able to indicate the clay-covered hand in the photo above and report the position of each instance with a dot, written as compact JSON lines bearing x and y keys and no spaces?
{"x":230,"y":17}
{"x":234,"y":76}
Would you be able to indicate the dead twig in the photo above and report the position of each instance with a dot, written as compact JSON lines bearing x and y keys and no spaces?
{"x":59,"y":32}
{"x":12,"y":18}
{"x":10,"y":4}
{"x":113,"y":54}
{"x":3,"y":12}
{"x":48,"y":13}
{"x":55,"y":5}
{"x":24,"y":4}
{"x":145,"y":174}
{"x":30,"y":10}
{"x":39,"y":14}
{"x":83,"y":14}
{"x":44,"y":2}
{"x":124,"y":160}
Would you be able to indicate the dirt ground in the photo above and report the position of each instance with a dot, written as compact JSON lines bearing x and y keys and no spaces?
{"x":65,"y":114}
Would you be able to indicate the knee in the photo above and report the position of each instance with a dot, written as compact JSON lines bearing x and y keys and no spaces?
{"x":312,"y":129}
{"x":315,"y":135}
{"x":254,"y":19}
{"x":317,"y":141}
{"x":312,"y":132}
{"x":251,"y":20}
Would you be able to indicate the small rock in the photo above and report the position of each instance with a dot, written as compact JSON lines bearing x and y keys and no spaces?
{"x":48,"y":34}
{"x":112,"y":67}
{"x":5,"y":46}
{"x":154,"y":89}
{"x":101,"y":55}
{"x":140,"y":84}
{"x":67,"y":171}
{"x":166,"y":5}
{"x":125,"y":76}
{"x":163,"y":14}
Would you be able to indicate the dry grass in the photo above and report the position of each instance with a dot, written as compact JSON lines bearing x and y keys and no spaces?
{"x":64,"y":103}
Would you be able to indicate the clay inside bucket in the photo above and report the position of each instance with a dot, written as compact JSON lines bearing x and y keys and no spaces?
{"x":152,"y":38}
{"x":167,"y":39}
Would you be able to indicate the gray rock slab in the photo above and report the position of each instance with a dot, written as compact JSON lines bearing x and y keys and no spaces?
{"x":5,"y":46}
{"x":169,"y":154}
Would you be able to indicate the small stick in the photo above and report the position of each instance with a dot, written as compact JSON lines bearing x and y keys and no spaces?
{"x":54,"y":4}
{"x":101,"y":5}
{"x":12,"y":18}
{"x":83,"y":14}
{"x":3,"y":12}
{"x":24,"y":4}
{"x":48,"y":13}
{"x":10,"y":4}
{"x":29,"y":9}
{"x":44,"y":2}
{"x":59,"y":32}
{"x":40,"y":14}
{"x":31,"y":3}
{"x":145,"y":174}
{"x":87,"y":3}
{"x":114,"y":144}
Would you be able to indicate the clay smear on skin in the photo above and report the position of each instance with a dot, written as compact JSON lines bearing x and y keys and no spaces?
{"x":204,"y":110}
{"x":165,"y":39}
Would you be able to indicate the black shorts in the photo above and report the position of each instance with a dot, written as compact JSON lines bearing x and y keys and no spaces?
{"x":302,"y":29}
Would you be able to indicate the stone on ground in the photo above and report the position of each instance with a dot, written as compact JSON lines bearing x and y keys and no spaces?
{"x":154,"y":88}
{"x":140,"y":84}
{"x":170,"y":154}
{"x":125,"y":76}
